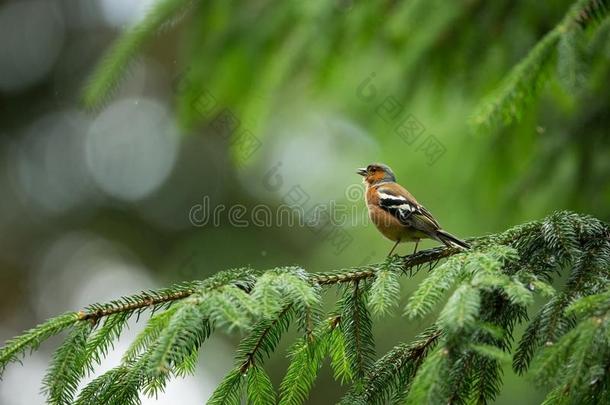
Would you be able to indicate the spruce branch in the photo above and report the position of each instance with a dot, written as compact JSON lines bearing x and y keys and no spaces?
{"x":158,"y":299}
{"x":34,"y":337}
{"x":385,"y":289}
{"x":188,"y":327}
{"x":356,"y":325}
{"x":456,"y":360}
{"x":395,"y":370}
{"x":229,"y":390}
{"x":146,"y":300}
{"x":429,"y":385}
{"x":109,"y":71}
{"x":576,"y":367}
{"x":61,"y":382}
{"x":251,"y":354}
{"x":306,"y":357}
{"x":525,"y":81}
{"x":520,"y":87}
{"x":260,"y":390}
{"x":154,"y":300}
{"x":339,"y":360}
{"x":263,"y":340}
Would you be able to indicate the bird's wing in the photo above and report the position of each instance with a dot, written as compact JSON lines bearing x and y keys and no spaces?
{"x":402,"y":205}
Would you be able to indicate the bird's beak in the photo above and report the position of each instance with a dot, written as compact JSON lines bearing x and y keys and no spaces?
{"x":362,"y":171}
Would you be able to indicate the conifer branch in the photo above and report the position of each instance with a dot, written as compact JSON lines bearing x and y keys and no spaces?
{"x":147,"y":300}
{"x":155,"y":299}
{"x":254,"y":351}
{"x":525,"y":81}
{"x":456,"y":359}
{"x":110,"y":70}
{"x":34,"y":337}
{"x":394,"y":370}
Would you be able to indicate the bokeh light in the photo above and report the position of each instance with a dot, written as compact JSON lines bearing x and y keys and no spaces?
{"x":304,"y":149}
{"x":95,"y":200}
{"x":119,"y":13}
{"x":50,"y":164}
{"x":131,"y":148}
{"x":31,"y":37}
{"x":13,"y":382}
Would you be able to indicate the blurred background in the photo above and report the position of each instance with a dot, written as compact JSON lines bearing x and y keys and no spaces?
{"x":249,"y":103}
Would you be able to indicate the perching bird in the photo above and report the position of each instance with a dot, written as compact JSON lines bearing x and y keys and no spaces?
{"x":397,"y":214}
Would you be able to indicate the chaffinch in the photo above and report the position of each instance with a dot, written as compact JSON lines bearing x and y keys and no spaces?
{"x":397,"y":214}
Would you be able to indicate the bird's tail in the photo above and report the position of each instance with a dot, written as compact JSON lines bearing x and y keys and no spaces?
{"x":450,"y":240}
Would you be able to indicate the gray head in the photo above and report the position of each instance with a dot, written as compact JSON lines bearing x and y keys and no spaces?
{"x":377,"y":173}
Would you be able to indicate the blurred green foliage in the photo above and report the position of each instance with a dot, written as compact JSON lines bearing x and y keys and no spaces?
{"x":514,"y":92}
{"x":446,"y":63}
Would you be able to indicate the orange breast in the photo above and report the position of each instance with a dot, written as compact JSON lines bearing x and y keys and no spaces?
{"x":386,"y":223}
{"x":389,"y":226}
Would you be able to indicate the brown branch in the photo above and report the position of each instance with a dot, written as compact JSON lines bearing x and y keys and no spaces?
{"x":356,"y":274}
{"x":343,"y":276}
{"x":409,"y":262}
{"x":151,"y":301}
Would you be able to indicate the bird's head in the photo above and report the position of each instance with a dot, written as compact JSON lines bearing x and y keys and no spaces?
{"x":376,"y":173}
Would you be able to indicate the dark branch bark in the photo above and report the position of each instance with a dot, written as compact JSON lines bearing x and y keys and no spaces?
{"x":410,"y":264}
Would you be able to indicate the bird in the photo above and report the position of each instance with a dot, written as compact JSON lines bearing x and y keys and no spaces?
{"x":397,"y":214}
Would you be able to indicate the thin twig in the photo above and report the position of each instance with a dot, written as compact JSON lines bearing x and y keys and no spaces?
{"x":146,"y":302}
{"x":349,"y":275}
